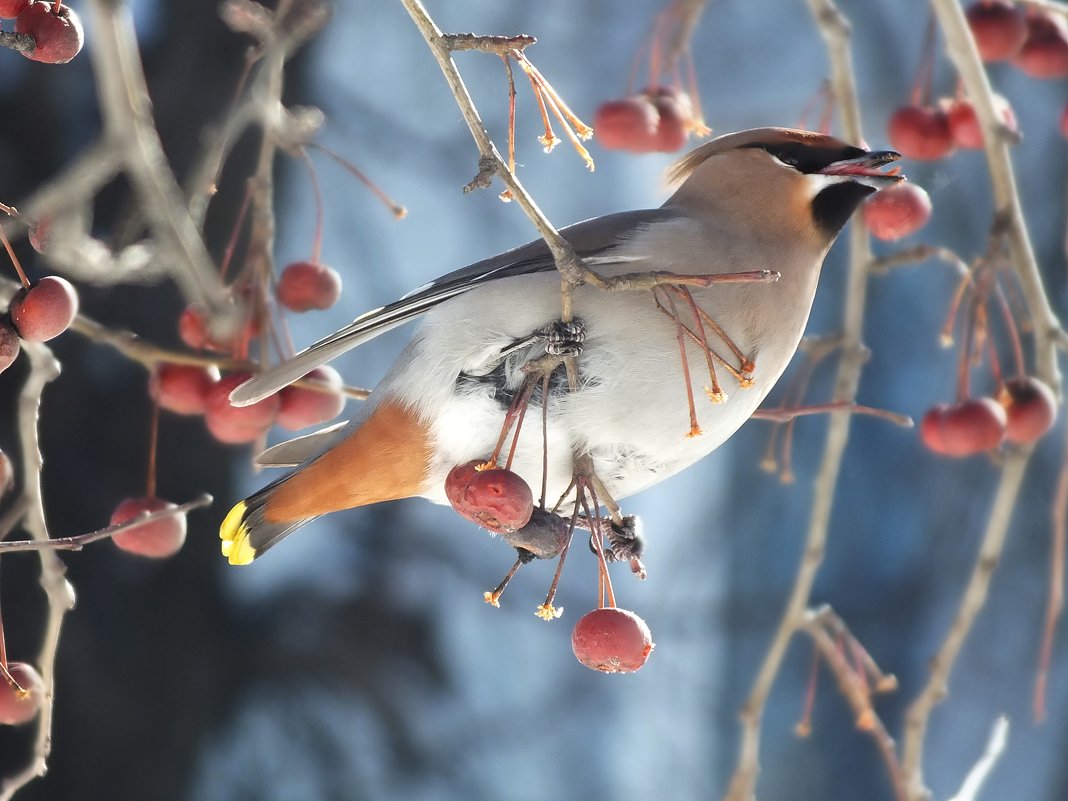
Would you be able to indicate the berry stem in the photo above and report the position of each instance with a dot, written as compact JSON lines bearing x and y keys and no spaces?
{"x":549,"y":139}
{"x":3,"y":649}
{"x":1010,"y":326}
{"x":228,"y":254}
{"x":695,"y":428}
{"x":922,"y":90}
{"x":396,"y":208}
{"x":14,"y":259}
{"x":1055,"y":599}
{"x":804,"y":726}
{"x":317,"y":243}
{"x":153,"y":446}
{"x":544,"y":439}
{"x":965,"y":359}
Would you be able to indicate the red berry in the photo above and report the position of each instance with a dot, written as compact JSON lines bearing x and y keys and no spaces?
{"x":158,"y":539}
{"x":182,"y":388}
{"x":458,"y":479}
{"x":628,"y":124}
{"x":1030,"y":407}
{"x":40,"y":235}
{"x":611,"y":640}
{"x":495,"y":498}
{"x":1045,"y":53}
{"x":675,"y":111}
{"x":194,"y":330}
{"x":897,"y":211}
{"x":45,"y":310}
{"x":920,"y":132}
{"x":58,"y":34}
{"x":999,"y":28}
{"x":965,"y":428}
{"x":9,"y":9}
{"x":304,"y":286}
{"x":302,"y":407}
{"x":9,"y":346}
{"x":20,"y":707}
{"x":964,"y":121}
{"x":237,"y":424}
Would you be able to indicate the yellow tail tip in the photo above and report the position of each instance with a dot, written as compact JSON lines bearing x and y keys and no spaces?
{"x":234,"y":535}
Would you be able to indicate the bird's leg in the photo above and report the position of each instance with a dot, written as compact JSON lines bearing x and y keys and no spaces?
{"x":564,"y":339}
{"x":695,"y":429}
{"x":625,"y":543}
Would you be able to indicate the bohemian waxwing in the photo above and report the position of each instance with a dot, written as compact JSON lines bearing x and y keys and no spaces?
{"x":768,"y":199}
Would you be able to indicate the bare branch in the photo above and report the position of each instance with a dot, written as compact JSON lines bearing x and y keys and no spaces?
{"x":995,"y":747}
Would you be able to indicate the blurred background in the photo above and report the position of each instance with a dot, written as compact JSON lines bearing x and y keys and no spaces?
{"x":358,"y":660}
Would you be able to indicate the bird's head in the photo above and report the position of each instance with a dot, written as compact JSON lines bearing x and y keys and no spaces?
{"x":795,"y":182}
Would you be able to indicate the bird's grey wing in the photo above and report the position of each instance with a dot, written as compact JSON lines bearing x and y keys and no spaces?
{"x":592,"y":239}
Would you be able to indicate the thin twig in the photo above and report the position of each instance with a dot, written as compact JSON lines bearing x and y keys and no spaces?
{"x":60,"y":594}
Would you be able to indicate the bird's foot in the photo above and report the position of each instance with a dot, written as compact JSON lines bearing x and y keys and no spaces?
{"x":564,"y":339}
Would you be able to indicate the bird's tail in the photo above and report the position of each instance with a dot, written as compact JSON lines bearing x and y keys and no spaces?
{"x":246,"y":533}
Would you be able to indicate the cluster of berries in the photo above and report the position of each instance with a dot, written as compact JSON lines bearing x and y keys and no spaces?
{"x":608,"y":639}
{"x":655,"y":120}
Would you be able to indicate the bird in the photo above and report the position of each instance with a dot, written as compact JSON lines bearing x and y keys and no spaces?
{"x":766,"y":201}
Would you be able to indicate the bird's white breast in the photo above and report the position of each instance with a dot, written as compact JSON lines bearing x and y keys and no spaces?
{"x":630,"y":411}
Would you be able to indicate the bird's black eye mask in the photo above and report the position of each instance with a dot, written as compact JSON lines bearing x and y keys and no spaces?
{"x":808,"y":158}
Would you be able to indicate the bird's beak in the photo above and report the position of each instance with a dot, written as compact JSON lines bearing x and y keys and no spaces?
{"x":865,"y":169}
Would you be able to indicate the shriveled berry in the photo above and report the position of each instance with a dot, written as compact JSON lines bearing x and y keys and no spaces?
{"x":9,"y":346}
{"x":20,"y":707}
{"x":897,"y":211}
{"x":183,"y":388}
{"x":675,"y":111}
{"x":920,"y":132}
{"x":237,"y":424}
{"x":303,"y":286}
{"x":544,"y":535}
{"x":611,"y":640}
{"x":57,"y":32}
{"x":964,"y":121}
{"x":963,"y":429}
{"x":1030,"y":408}
{"x":9,"y":9}
{"x":1045,"y":52}
{"x":302,"y":407}
{"x":495,"y":498}
{"x":158,"y":539}
{"x":629,"y":124}
{"x":999,"y":28}
{"x":194,"y":329}
{"x":45,"y":310}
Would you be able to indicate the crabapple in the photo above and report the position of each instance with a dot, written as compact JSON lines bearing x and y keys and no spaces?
{"x":965,"y":428}
{"x":45,"y":309}
{"x":182,"y":388}
{"x":897,"y":211}
{"x":305,"y":285}
{"x":629,"y":123}
{"x":611,"y":640}
{"x":998,"y":27}
{"x":676,"y":113}
{"x":302,"y":407}
{"x":57,"y":32}
{"x":9,"y":346}
{"x":964,"y":121}
{"x":238,"y":424}
{"x":1030,"y":408}
{"x":920,"y":132}
{"x":158,"y":539}
{"x":20,"y":707}
{"x":495,"y":498}
{"x":9,"y":9}
{"x":1045,"y":52}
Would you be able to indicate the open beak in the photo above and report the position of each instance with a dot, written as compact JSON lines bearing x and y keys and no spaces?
{"x":865,"y":169}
